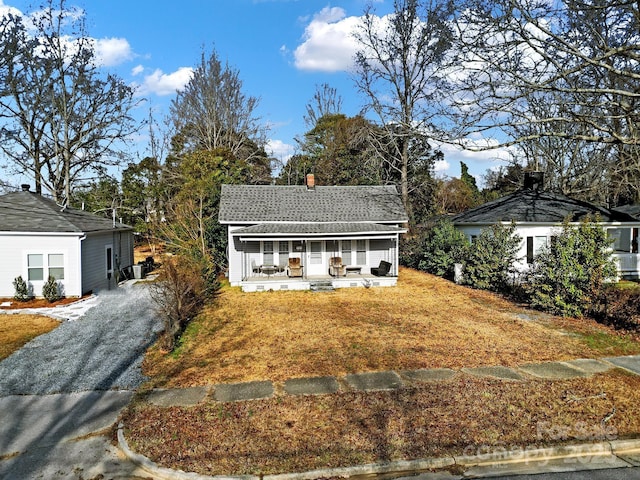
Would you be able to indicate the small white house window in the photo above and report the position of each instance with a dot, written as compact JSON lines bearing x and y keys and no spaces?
{"x":267,"y":253}
{"x":535,"y":245}
{"x":346,"y":252}
{"x":361,"y":252}
{"x":283,"y":253}
{"x":35,"y":267}
{"x":56,"y":266}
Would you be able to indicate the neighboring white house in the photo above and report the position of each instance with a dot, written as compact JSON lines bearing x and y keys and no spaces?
{"x":290,"y":237}
{"x":539,"y":215}
{"x":39,"y":238}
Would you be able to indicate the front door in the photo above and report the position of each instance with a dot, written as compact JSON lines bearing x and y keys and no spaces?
{"x":315,"y":258}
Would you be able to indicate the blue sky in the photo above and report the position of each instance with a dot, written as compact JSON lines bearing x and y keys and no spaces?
{"x":283,"y":49}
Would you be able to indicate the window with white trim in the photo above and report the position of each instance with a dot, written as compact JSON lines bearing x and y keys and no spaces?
{"x":56,"y":265}
{"x":267,"y":253}
{"x":41,"y":266}
{"x":535,"y":245}
{"x":361,"y":252}
{"x":346,"y":252}
{"x":35,"y":267}
{"x":283,"y":253}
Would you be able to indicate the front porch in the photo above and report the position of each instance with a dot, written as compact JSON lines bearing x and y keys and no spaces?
{"x":363,"y":257}
{"x":262,"y":283}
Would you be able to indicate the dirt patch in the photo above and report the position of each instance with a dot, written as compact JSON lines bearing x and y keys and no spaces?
{"x":464,"y":415}
{"x":143,"y":251}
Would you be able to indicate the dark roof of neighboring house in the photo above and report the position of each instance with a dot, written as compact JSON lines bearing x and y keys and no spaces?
{"x":30,"y":212}
{"x":533,"y":206}
{"x":297,"y":204}
{"x":633,"y":210}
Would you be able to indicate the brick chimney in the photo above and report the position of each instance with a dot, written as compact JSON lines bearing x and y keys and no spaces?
{"x":534,"y":181}
{"x":310,"y":181}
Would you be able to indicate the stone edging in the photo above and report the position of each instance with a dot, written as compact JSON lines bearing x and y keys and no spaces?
{"x":587,"y":450}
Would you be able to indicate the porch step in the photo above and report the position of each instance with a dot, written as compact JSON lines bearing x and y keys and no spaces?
{"x":321,"y":286}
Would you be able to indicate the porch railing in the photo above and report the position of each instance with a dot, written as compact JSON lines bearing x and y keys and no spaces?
{"x":627,"y":262}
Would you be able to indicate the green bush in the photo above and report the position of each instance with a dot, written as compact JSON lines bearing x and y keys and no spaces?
{"x":568,"y":277}
{"x":21,"y":288}
{"x":435,"y":250}
{"x":443,"y":247}
{"x":51,"y":290}
{"x":490,"y":258}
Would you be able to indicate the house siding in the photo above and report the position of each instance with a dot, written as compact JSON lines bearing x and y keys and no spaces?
{"x":13,"y":261}
{"x":524,"y":232}
{"x":234,"y":257}
{"x":380,"y":249}
{"x":94,"y":274}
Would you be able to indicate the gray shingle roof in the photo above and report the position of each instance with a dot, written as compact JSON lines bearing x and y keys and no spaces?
{"x":633,"y":210}
{"x":293,"y":204}
{"x":537,"y":207}
{"x":316,"y":228}
{"x":30,"y":212}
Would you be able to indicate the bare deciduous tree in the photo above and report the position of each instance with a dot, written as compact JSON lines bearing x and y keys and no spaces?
{"x":326,"y":101}
{"x":578,"y":58}
{"x":398,"y":70}
{"x":213,"y":112}
{"x":63,"y":116}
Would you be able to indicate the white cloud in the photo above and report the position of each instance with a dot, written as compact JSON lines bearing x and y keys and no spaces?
{"x":441,"y":166}
{"x":112,"y":51}
{"x":137,"y":70}
{"x":160,"y":83}
{"x":279,"y":149}
{"x":6,"y":10}
{"x":477,"y":161}
{"x":328,"y":44}
{"x":490,"y":155}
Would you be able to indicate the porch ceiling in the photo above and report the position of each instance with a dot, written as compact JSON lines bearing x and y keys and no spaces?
{"x":311,"y":229}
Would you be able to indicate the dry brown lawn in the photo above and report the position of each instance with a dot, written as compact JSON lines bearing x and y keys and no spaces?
{"x":18,"y":329}
{"x":424,"y":322}
{"x":464,"y":415}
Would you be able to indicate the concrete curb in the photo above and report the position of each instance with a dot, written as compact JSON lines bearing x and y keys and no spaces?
{"x":400,"y":467}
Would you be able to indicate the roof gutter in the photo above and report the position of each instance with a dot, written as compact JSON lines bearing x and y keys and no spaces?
{"x":319,"y":236}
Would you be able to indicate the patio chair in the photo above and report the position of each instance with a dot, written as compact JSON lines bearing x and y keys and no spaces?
{"x":294,"y":269}
{"x":255,"y":268}
{"x":336,"y":268}
{"x":282,"y":264}
{"x":382,"y":269}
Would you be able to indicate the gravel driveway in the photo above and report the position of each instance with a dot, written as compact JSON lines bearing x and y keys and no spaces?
{"x":101,"y":351}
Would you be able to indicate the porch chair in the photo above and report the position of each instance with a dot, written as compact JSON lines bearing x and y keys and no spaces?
{"x":382,"y":269}
{"x":255,"y":268}
{"x":336,"y":268}
{"x":294,"y":269}
{"x":282,"y":264}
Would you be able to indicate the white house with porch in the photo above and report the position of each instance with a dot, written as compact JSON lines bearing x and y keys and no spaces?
{"x":298,"y":237}
{"x":539,"y":215}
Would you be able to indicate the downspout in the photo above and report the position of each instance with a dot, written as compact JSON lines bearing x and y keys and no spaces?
{"x":80,"y":240}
